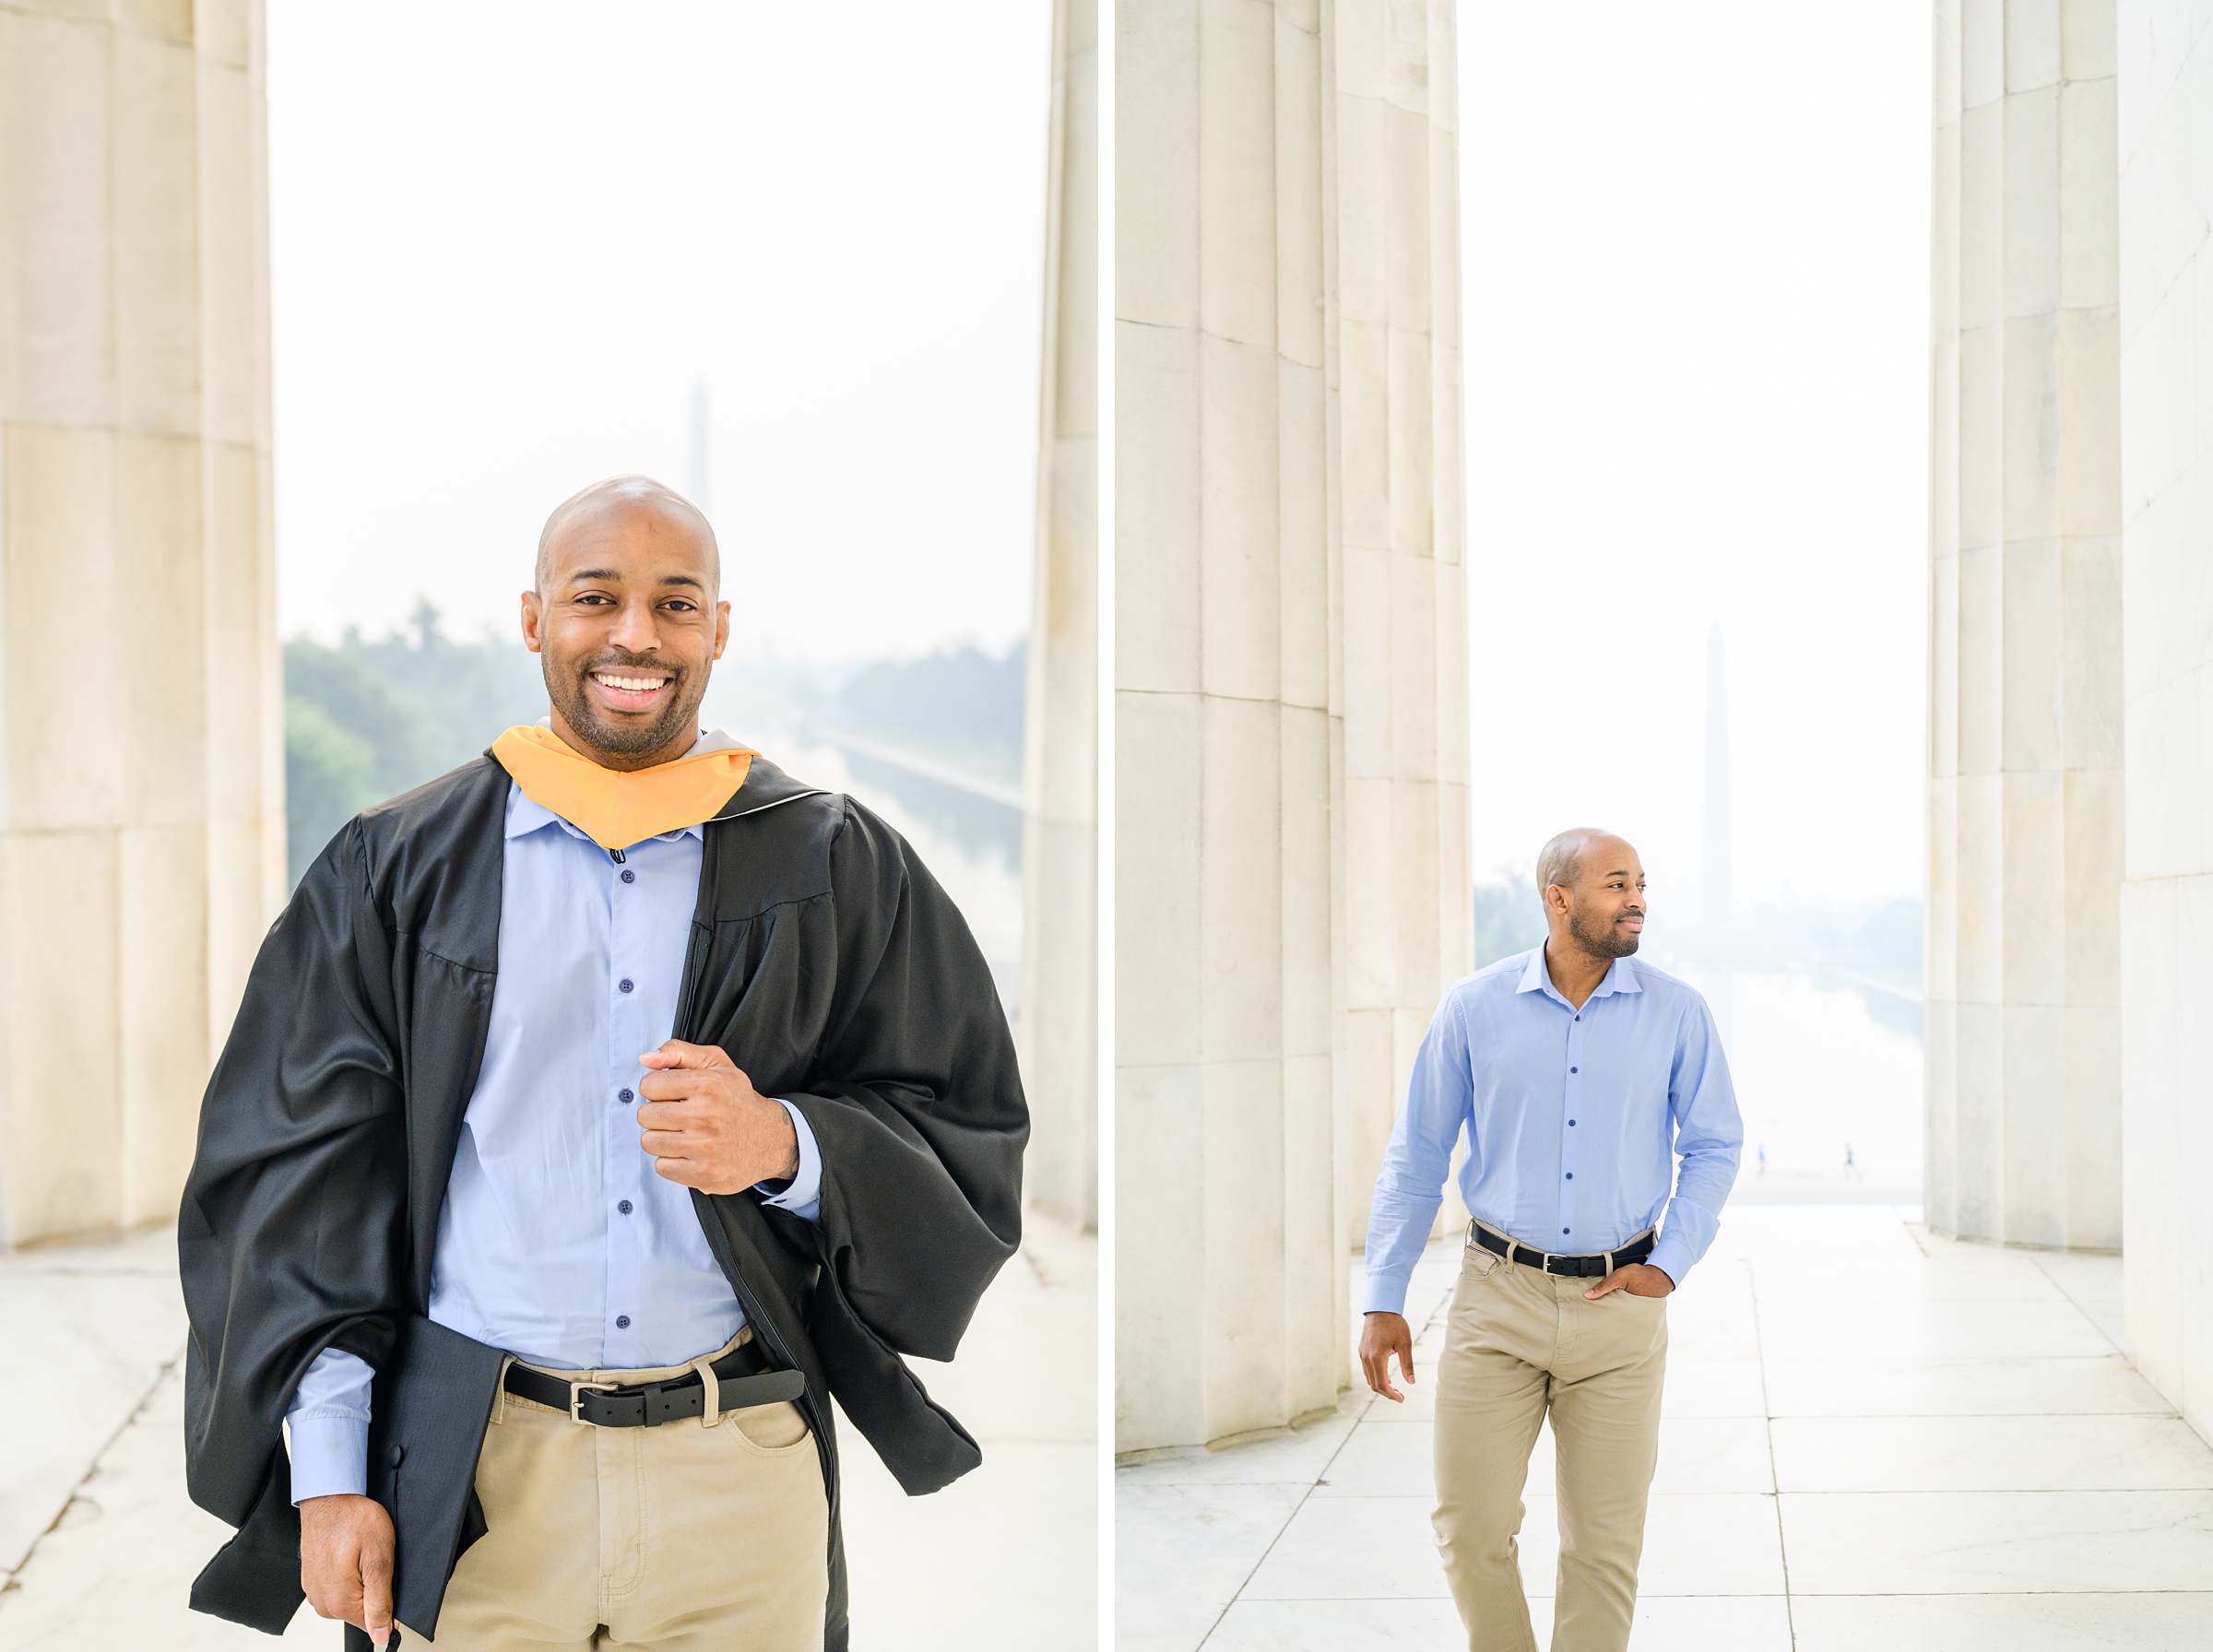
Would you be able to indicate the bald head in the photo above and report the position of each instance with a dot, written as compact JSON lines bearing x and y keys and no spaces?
{"x":624,"y":500}
{"x":1567,"y":856}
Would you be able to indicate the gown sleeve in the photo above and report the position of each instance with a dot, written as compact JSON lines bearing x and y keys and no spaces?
{"x":915,"y":1101}
{"x":292,"y":1231}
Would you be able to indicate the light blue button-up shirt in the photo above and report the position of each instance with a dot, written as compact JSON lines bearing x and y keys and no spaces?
{"x":1575,"y":1119}
{"x":557,"y":1241}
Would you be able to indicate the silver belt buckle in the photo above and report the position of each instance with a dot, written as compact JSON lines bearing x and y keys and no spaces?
{"x":577,"y":1392}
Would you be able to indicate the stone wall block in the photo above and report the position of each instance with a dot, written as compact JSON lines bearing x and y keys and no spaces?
{"x":234,"y":374}
{"x":2033,"y":44}
{"x":62,"y":751}
{"x":1301,"y":216}
{"x":156,"y":228}
{"x":2034,"y":427}
{"x":161,"y":946}
{"x":2032,"y":651}
{"x":1309,"y":962}
{"x":1982,"y":659}
{"x":1407,"y":141}
{"x":2089,"y":387}
{"x":1236,"y":171}
{"x":2033,"y":896}
{"x":1304,"y":570}
{"x":2090,"y":196}
{"x":1161,"y":1320}
{"x":2035,"y":1103}
{"x":57,"y":343}
{"x":1160,"y":752}
{"x":1157,"y":189}
{"x":1978,"y":484}
{"x":1413,"y":446}
{"x":1158,"y":504}
{"x":170,"y":20}
{"x":2090,"y":679}
{"x":1364,"y":462}
{"x":1240,"y":888}
{"x":1981,"y":51}
{"x":1979,"y":937}
{"x":1243,"y":1225}
{"x":161,"y":729}
{"x":1239,"y":549}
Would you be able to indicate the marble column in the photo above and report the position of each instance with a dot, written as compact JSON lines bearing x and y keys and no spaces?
{"x":1407,"y":928}
{"x":2166,"y":282}
{"x":1290,"y":757}
{"x":2023,"y":971}
{"x":1058,"y":1019}
{"x":142,"y":819}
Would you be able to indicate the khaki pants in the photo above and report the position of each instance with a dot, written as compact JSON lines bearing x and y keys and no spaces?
{"x":1519,"y":1344}
{"x":680,"y":1538}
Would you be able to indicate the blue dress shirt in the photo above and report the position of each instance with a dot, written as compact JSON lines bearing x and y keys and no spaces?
{"x":1574,"y":1120}
{"x":557,"y":1241}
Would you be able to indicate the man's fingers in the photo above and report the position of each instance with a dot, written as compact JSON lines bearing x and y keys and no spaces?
{"x":688,"y":1172}
{"x":1611,"y":1282}
{"x":376,"y":1594}
{"x":676,"y":1053}
{"x":1406,"y":1362}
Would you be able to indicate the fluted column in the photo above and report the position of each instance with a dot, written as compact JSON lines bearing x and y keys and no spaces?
{"x":1288,"y":627}
{"x":1400,"y":514}
{"x":1058,"y":1020}
{"x":2167,"y":901}
{"x":2023,"y":1030}
{"x":141,"y":690}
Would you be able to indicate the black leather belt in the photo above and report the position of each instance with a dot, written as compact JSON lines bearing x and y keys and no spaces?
{"x":1582,"y":1267}
{"x":742,"y":1379}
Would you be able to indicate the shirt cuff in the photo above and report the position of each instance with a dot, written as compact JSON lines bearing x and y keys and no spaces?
{"x":1386,"y":1294}
{"x":330,"y":1455}
{"x":1672,"y":1257}
{"x":802,"y":1195}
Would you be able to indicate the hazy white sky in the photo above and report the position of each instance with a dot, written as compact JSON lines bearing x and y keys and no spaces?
{"x":1696,"y":250}
{"x":510,"y":236}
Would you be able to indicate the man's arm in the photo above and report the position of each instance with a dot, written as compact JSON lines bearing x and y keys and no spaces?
{"x":1409,"y":1189}
{"x":1710,"y":1137}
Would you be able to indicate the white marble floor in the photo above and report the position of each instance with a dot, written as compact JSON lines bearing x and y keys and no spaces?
{"x":98,"y":1543}
{"x":1873,"y":1439}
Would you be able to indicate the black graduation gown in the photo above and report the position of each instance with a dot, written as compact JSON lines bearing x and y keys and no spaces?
{"x":824,"y":959}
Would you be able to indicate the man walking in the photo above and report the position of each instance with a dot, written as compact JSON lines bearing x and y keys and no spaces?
{"x":1580,"y":1077}
{"x":593,"y":1115}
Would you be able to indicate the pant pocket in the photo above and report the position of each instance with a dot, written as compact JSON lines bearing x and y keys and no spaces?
{"x":778,"y":1430}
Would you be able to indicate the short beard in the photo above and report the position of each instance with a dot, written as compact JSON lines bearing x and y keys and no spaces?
{"x":574,"y":700}
{"x":1601,"y":940}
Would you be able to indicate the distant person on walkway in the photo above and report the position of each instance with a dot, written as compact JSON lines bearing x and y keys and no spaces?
{"x":595,"y":1115}
{"x":1580,"y":1078}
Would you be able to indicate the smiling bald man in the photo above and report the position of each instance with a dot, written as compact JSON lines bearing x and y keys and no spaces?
{"x":1580,"y":1078}
{"x":595,"y":1114}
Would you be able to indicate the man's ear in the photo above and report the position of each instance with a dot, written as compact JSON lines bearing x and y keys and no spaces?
{"x":722,"y":628}
{"x":531,"y":615}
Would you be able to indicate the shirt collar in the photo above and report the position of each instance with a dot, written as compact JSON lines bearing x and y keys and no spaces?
{"x":524,"y":816}
{"x":1620,"y":978}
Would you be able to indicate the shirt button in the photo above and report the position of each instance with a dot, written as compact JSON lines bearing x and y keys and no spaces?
{"x":1571,"y":1121}
{"x":624,"y":1206}
{"x":1572,"y":1070}
{"x":626,"y":983}
{"x":625,"y":1095}
{"x":630,"y":877}
{"x":626,"y":1321}
{"x":1570,"y":1177}
{"x":621,"y":1322}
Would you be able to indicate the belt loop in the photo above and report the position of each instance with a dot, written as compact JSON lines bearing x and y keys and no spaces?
{"x":704,"y":1365}
{"x":499,"y":1404}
